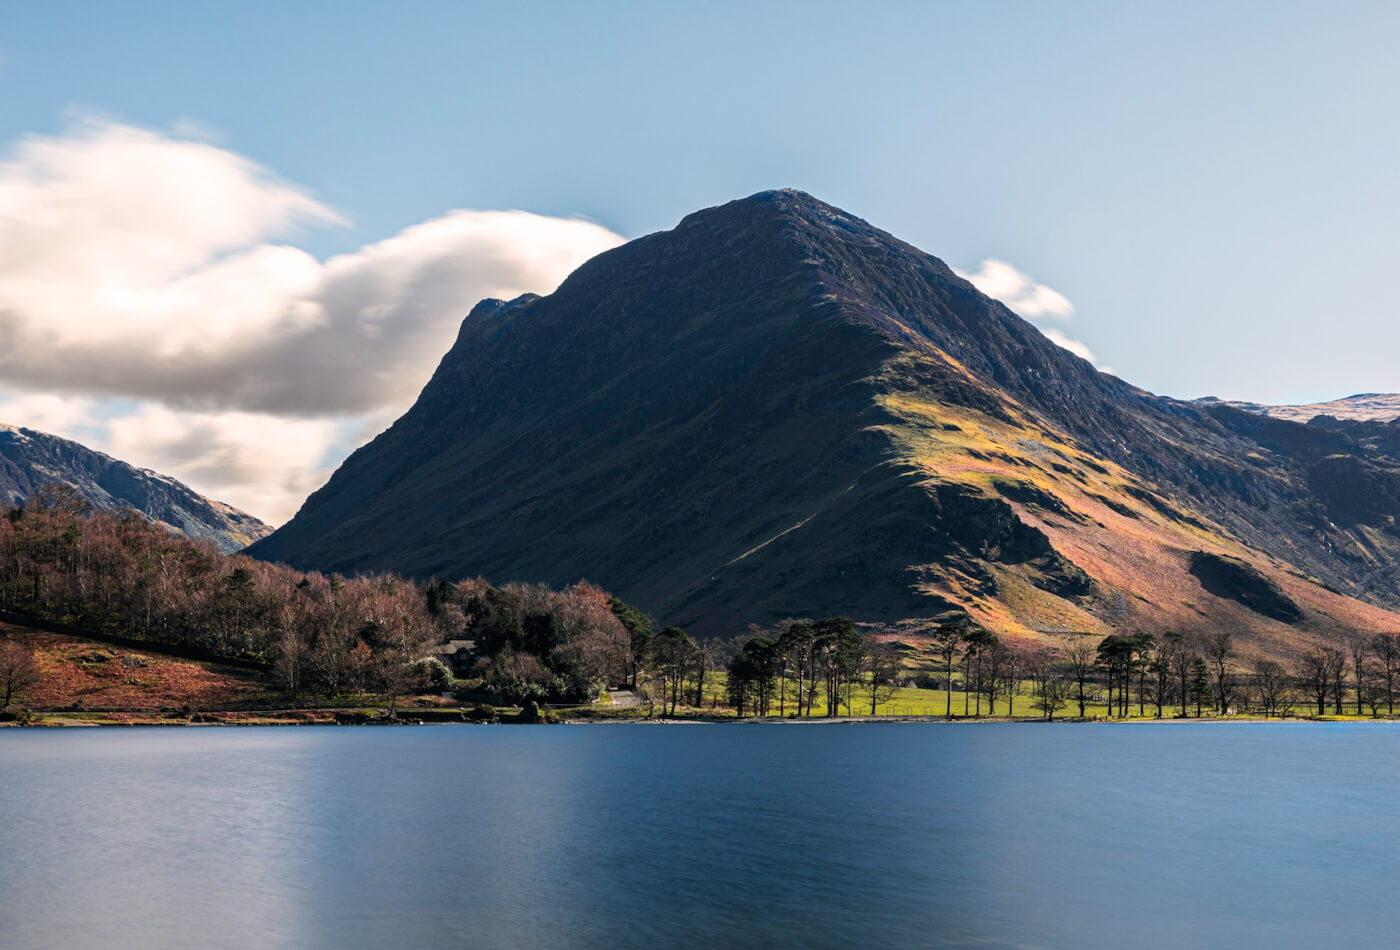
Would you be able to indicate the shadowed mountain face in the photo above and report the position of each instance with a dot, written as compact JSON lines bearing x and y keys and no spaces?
{"x":777,"y":409}
{"x":30,"y":459}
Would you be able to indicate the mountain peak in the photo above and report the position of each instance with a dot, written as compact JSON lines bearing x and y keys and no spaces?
{"x":777,"y":409}
{"x":789,"y":205}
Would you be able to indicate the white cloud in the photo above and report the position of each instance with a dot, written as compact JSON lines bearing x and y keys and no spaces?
{"x":1056,"y":336}
{"x":1034,"y":301}
{"x":138,"y":275}
{"x":1000,"y":281}
{"x":47,"y":413}
{"x":133,"y":265}
{"x":263,"y":464}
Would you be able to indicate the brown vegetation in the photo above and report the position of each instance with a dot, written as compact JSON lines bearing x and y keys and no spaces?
{"x":115,"y":576}
{"x":82,"y":674}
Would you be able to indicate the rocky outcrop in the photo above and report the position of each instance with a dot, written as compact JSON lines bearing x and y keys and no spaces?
{"x":30,"y":459}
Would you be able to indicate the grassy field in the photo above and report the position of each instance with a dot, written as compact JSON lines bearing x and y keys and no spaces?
{"x":919,"y":702}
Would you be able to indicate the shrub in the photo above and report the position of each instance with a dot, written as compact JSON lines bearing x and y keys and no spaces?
{"x":435,"y":674}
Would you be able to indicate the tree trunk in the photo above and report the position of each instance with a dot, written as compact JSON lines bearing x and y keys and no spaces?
{"x":949,"y":685}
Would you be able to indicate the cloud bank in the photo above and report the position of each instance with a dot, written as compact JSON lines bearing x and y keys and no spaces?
{"x":146,"y":310}
{"x":1030,"y":299}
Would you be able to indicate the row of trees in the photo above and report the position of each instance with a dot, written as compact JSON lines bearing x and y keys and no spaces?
{"x":806,"y":659}
{"x":800,"y":664}
{"x":1195,"y":673}
{"x":1368,"y":667}
{"x":1189,"y":674}
{"x":991,"y":668}
{"x":115,"y":573}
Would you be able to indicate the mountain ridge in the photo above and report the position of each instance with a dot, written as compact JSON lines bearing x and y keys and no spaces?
{"x":30,"y":459}
{"x":776,"y":408}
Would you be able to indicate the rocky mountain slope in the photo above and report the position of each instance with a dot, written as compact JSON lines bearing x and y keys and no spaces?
{"x":778,"y":409}
{"x":29,"y":459}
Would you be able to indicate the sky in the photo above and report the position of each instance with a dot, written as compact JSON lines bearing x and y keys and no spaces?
{"x":236,"y":239}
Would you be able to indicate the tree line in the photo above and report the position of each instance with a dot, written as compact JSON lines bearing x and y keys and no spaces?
{"x":1201,"y":673}
{"x":325,"y":636}
{"x":799,"y":661}
{"x":115,"y":573}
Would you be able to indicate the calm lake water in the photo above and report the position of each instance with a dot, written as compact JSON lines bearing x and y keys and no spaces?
{"x":902,"y":835}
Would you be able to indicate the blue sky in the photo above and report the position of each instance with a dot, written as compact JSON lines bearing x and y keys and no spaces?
{"x":1212,"y":186}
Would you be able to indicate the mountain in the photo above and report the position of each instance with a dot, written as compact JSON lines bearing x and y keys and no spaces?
{"x":777,"y":409}
{"x":29,"y":459}
{"x":1363,"y":407}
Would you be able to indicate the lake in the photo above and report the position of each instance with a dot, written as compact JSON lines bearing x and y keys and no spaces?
{"x":822,"y":835}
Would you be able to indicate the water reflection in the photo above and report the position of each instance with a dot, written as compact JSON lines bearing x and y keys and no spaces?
{"x":812,"y":835}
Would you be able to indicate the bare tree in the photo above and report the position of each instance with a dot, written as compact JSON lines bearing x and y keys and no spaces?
{"x":1339,"y":672}
{"x":1386,"y":647}
{"x":1359,"y":649}
{"x":1220,"y":648}
{"x":19,"y":672}
{"x":1013,"y":668}
{"x":882,"y":665}
{"x":707,"y":656}
{"x":1079,"y":657}
{"x":1049,"y":682}
{"x":1182,"y":659}
{"x":58,"y":498}
{"x":1315,"y":672}
{"x":993,"y":679}
{"x":1271,"y":684}
{"x":653,"y":686}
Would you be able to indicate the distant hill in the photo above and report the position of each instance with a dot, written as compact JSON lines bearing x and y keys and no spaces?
{"x":1363,"y":407}
{"x":29,"y":459}
{"x":777,"y":409}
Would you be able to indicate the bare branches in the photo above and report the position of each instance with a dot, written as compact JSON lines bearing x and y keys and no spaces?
{"x":19,"y":672}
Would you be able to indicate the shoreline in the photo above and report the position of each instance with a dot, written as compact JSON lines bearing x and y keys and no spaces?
{"x":281,"y":719}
